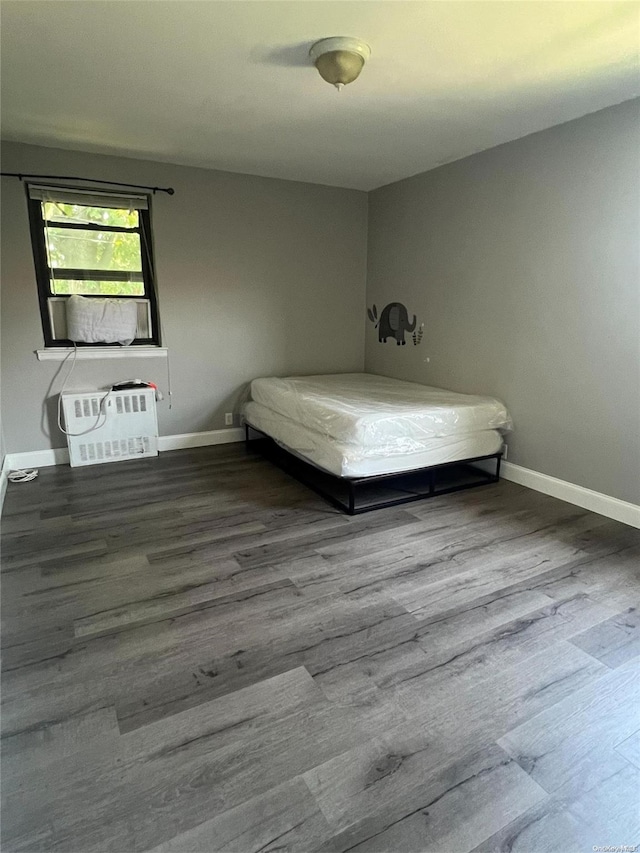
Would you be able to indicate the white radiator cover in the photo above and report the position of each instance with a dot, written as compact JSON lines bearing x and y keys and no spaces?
{"x":127,"y":425}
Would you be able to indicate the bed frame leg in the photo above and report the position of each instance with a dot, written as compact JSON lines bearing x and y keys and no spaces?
{"x":352,"y":499}
{"x":498,"y":461}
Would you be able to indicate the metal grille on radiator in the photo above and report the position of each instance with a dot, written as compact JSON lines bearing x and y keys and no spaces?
{"x":126,"y":425}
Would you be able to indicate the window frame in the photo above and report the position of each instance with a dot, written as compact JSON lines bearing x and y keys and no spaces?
{"x":37,"y":228}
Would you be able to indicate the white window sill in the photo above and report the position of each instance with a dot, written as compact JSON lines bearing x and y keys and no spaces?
{"x":85,"y":353}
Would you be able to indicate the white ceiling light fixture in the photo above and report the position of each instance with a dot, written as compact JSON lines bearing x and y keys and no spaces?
{"x":340,"y":59}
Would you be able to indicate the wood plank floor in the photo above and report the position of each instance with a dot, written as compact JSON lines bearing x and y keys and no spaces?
{"x":199,"y":654}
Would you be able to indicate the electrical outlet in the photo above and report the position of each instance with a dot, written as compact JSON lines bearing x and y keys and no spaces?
{"x":228,"y":418}
{"x":505,"y":451}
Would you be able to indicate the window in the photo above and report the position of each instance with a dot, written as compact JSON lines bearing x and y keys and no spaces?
{"x":96,"y":245}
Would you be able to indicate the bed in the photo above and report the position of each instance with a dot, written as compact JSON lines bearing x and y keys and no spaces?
{"x":362,"y":430}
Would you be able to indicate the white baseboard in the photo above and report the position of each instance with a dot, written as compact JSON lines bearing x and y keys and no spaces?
{"x":614,"y":508}
{"x":37,"y":458}
{"x":200,"y":439}
{"x":3,"y":479}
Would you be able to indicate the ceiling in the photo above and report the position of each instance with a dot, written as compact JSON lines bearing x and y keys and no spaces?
{"x":227,"y":84}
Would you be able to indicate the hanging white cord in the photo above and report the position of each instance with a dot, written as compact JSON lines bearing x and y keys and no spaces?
{"x":155,"y":284}
{"x":101,"y":412}
{"x":168,"y":371}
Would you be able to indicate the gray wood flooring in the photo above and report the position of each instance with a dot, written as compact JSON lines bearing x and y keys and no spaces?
{"x":199,"y":654}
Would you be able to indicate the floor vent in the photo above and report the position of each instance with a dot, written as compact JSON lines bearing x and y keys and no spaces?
{"x":110,"y":427}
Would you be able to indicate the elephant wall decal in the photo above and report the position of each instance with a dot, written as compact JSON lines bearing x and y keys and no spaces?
{"x":394,"y":323}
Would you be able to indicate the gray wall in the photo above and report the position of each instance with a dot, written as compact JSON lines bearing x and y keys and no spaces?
{"x":523,"y":262}
{"x":255,"y":276}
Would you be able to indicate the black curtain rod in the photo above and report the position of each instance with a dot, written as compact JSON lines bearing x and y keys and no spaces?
{"x":21,"y":176}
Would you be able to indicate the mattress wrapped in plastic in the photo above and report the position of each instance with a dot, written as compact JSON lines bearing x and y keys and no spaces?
{"x":344,"y":459}
{"x":377,"y":412}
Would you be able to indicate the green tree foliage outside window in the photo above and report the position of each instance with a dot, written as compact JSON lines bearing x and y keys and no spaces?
{"x":91,"y":249}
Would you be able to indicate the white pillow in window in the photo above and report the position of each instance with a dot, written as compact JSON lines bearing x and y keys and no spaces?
{"x":101,"y":321}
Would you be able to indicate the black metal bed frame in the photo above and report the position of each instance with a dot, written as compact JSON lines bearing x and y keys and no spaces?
{"x":312,"y":476}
